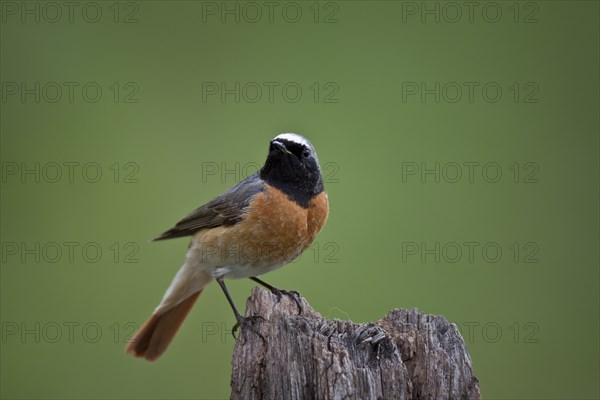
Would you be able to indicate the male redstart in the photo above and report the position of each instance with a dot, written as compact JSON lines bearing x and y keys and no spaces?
{"x":261,"y":224}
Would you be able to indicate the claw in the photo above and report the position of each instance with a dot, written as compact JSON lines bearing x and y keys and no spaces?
{"x":247,"y":322}
{"x":280,"y":292}
{"x":292,"y":293}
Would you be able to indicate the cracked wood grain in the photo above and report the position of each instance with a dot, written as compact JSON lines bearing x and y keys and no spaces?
{"x":405,"y":355}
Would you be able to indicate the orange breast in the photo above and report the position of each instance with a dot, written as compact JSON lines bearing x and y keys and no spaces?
{"x":318,"y":211}
{"x":274,"y":231}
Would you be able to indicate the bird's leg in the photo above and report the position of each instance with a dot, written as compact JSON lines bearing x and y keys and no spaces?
{"x":279,"y":292}
{"x":241,"y":321}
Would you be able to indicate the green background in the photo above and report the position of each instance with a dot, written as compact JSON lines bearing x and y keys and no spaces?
{"x":535,"y":325}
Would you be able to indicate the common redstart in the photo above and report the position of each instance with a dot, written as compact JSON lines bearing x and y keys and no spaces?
{"x":260,"y":224}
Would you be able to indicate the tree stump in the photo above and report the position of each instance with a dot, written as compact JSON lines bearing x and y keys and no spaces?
{"x":406,"y":355}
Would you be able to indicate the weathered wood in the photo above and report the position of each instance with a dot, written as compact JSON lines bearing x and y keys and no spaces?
{"x":406,"y":355}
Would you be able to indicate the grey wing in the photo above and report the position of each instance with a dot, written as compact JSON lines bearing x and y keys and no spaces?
{"x":227,"y":209}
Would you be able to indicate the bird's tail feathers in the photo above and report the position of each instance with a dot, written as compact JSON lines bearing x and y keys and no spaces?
{"x":156,"y":334}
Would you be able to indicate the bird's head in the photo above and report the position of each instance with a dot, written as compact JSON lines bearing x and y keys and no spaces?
{"x":293,"y":167}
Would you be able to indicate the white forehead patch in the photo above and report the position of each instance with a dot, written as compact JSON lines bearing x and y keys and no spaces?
{"x":292,"y":137}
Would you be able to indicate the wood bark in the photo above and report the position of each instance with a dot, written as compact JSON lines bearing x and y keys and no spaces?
{"x":405,"y":355}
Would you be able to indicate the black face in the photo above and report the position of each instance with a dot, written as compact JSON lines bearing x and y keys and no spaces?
{"x":293,"y":168}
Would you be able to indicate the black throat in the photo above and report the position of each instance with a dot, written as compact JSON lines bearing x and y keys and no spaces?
{"x":299,"y":187}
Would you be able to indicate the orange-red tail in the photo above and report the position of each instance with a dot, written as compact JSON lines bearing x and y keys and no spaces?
{"x":156,"y":334}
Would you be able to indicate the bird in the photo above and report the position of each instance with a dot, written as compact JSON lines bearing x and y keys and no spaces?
{"x":262,"y":223}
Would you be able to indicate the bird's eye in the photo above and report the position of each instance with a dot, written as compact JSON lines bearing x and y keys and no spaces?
{"x":306,"y":154}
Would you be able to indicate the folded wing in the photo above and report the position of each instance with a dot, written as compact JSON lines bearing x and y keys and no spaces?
{"x":227,"y":209}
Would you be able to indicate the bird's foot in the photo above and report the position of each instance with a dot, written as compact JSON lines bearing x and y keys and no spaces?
{"x":247,"y":322}
{"x":280,"y":292}
{"x":291,"y":293}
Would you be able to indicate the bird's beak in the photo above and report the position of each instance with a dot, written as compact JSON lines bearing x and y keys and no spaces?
{"x":280,"y":146}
